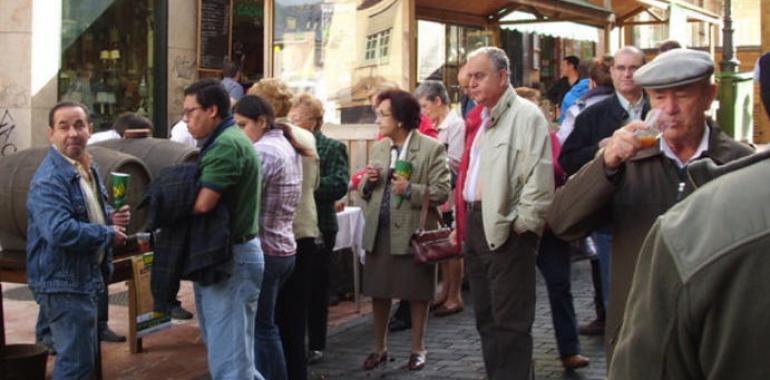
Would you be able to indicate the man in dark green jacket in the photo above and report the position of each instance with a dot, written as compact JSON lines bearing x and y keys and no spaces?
{"x":698,"y":305}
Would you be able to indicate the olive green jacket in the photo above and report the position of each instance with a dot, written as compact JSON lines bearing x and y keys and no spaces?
{"x":515,"y":170}
{"x":645,"y":187}
{"x":698,"y":307}
{"x":430,"y":170}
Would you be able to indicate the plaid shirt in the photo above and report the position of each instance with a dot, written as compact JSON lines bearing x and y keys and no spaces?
{"x":335,"y":175}
{"x":281,"y":190}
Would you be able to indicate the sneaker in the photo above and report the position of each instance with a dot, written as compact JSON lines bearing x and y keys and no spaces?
{"x":596,"y":327}
{"x":178,"y":312}
{"x":314,"y":356}
{"x":107,"y":335}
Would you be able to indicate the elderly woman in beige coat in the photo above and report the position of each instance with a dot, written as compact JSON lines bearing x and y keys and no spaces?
{"x":392,"y":211}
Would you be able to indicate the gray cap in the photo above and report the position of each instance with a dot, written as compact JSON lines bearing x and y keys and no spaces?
{"x":674,"y":68}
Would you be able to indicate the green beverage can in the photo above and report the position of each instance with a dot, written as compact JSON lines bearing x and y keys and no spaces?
{"x":404,"y":169}
{"x":119,"y":189}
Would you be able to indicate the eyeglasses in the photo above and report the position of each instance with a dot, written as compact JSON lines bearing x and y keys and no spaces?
{"x":189,"y":111}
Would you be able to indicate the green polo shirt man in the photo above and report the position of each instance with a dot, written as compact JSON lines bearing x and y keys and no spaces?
{"x":230,"y":173}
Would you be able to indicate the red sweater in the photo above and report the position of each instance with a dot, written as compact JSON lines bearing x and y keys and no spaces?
{"x":472,"y":124}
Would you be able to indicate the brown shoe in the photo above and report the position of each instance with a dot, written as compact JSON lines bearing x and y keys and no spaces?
{"x":416,"y":361}
{"x":444,"y":311}
{"x":596,"y":327}
{"x":375,"y":359}
{"x":575,"y":362}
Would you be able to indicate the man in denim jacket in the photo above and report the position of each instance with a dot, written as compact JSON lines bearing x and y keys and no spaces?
{"x":69,"y":240}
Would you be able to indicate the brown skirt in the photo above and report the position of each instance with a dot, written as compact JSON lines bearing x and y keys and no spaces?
{"x":396,"y":276}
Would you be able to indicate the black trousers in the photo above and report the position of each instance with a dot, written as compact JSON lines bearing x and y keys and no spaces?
{"x":503,"y":289}
{"x":292,"y":308}
{"x":320,"y":280}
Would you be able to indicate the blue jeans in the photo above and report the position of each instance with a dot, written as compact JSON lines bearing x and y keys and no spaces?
{"x":71,"y":319}
{"x":268,"y":349}
{"x":554,"y":262}
{"x":604,"y":246}
{"x":226,"y":312}
{"x":43,"y":331}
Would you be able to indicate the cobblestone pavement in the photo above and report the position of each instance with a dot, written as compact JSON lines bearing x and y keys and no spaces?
{"x":454,"y":348}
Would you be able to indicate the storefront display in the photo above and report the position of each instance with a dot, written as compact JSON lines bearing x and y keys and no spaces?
{"x":108,"y":57}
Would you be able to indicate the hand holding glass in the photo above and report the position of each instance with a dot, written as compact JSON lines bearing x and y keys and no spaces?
{"x":649,"y":135}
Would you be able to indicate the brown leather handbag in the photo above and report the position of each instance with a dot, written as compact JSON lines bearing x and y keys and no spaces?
{"x":432,"y":246}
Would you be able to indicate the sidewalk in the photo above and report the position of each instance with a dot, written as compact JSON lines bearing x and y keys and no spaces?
{"x":454,"y":348}
{"x":452,"y":342}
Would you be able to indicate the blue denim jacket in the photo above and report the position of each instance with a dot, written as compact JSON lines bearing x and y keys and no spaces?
{"x":61,"y":242}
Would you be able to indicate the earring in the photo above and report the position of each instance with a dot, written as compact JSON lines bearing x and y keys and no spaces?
{"x":400,"y":125}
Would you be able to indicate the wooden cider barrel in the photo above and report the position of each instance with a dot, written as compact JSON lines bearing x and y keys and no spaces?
{"x":156,"y":153}
{"x":17,"y":170}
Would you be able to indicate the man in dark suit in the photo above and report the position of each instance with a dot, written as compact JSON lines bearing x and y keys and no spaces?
{"x":597,"y":123}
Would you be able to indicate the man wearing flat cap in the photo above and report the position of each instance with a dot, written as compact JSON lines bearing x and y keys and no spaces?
{"x":629,"y":185}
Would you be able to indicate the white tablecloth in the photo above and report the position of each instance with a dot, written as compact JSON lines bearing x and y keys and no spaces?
{"x":351,"y":235}
{"x":351,"y":232}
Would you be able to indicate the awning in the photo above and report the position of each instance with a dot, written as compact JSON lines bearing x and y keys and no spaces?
{"x":626,"y":10}
{"x":525,"y":22}
{"x":482,"y":12}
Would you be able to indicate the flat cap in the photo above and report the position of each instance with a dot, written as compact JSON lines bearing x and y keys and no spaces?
{"x":674,"y":68}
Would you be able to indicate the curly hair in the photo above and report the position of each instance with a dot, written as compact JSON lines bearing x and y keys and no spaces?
{"x":276,"y":92}
{"x":313,"y":105}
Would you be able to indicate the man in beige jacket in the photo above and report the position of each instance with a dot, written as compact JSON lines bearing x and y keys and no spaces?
{"x":509,"y":185}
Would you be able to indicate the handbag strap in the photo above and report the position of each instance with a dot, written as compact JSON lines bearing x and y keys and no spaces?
{"x":425,"y":208}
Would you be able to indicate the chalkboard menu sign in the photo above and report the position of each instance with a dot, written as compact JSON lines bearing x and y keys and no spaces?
{"x":213,"y":33}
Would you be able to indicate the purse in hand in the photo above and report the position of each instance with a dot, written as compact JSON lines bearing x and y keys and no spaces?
{"x":432,"y":246}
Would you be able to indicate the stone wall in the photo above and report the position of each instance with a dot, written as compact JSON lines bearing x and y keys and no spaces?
{"x":15,"y":67}
{"x":182,"y":60}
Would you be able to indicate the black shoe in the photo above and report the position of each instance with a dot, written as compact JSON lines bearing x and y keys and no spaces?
{"x":596,"y":327}
{"x":396,"y":324}
{"x":107,"y":335}
{"x":314,"y":356}
{"x":178,"y":312}
{"x":49,"y":347}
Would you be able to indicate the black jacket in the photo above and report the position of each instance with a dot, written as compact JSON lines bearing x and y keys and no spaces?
{"x":189,"y":247}
{"x":591,"y":126}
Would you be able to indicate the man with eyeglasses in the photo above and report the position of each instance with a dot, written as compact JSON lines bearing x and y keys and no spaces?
{"x":594,"y":125}
{"x":230,"y":173}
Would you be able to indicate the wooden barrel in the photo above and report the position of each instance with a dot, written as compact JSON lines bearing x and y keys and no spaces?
{"x":17,"y":170}
{"x":155,"y":153}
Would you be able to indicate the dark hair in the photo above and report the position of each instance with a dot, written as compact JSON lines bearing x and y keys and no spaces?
{"x":67,"y":104}
{"x":210,"y":92}
{"x":130,"y":120}
{"x":230,"y":69}
{"x":404,"y":107}
{"x":599,"y":71}
{"x":572,"y":60}
{"x":254,"y":107}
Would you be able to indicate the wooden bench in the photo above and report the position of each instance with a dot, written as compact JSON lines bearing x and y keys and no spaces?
{"x":13,"y":269}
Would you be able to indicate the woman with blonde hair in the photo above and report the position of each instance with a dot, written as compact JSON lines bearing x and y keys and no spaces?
{"x":307,"y":113}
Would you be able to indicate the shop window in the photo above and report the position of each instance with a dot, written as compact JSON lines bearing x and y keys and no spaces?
{"x":339,"y":50}
{"x":441,"y":50}
{"x":108,"y":57}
